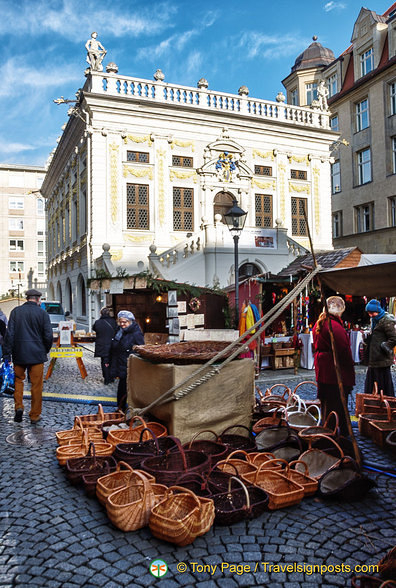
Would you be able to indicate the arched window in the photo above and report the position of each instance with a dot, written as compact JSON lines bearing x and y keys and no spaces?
{"x":247,"y":270}
{"x":222,"y":204}
{"x":81,"y":296}
{"x":68,"y":296}
{"x":59,"y":292}
{"x":51,"y":293}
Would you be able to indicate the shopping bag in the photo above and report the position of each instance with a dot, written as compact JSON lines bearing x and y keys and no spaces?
{"x":7,"y":377}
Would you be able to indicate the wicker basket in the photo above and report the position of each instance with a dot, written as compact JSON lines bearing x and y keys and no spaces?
{"x":235,"y":442}
{"x":129,"y":508}
{"x":196,"y":483}
{"x":183,"y":353}
{"x":135,"y":453}
{"x":309,"y":484}
{"x":244,"y":502}
{"x":95,"y":420}
{"x":387,"y":565}
{"x":77,"y":467}
{"x":366,"y":581}
{"x":324,"y":429}
{"x":379,"y":430}
{"x":133,"y":434}
{"x":276,"y":419}
{"x":264,"y":457}
{"x":181,"y":516}
{"x":65,"y":452}
{"x":76,"y":434}
{"x":121,"y":477}
{"x":213,"y":449}
{"x":390,"y":441}
{"x":364,"y":419}
{"x":282,"y":492}
{"x":319,"y":461}
{"x":243,"y":466}
{"x":168,"y":468}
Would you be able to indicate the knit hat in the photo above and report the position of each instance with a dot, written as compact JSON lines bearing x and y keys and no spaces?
{"x":126,"y":314}
{"x":373,"y":306}
{"x":335,"y":305}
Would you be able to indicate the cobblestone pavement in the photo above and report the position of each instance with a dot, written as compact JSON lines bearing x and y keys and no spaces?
{"x":53,"y":535}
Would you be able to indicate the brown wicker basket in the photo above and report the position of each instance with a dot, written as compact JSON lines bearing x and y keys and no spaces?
{"x":183,"y":353}
{"x":324,"y":429}
{"x":309,"y":484}
{"x":133,"y":434}
{"x":282,"y":492}
{"x":77,"y":467}
{"x":129,"y":508}
{"x":65,"y":452}
{"x":264,"y":457}
{"x":364,"y":419}
{"x":319,"y":461}
{"x":379,"y":430}
{"x":387,"y":565}
{"x":243,"y":466}
{"x":121,"y":477}
{"x":181,"y":516}
{"x":76,"y":434}
{"x":95,"y":420}
{"x":212,"y":448}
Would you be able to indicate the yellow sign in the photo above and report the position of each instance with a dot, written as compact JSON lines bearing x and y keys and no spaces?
{"x":66,"y":352}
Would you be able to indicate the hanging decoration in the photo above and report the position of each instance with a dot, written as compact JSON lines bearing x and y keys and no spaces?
{"x":194,"y":304}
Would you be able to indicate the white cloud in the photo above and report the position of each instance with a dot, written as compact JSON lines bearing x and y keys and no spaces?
{"x":333,"y":6}
{"x":270,"y":46}
{"x":17,"y":77}
{"x":73,"y":19}
{"x":6,"y":147}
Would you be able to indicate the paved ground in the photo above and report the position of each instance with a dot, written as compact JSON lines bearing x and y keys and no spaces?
{"x":53,"y":535}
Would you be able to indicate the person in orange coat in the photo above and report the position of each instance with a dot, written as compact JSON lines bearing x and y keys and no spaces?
{"x":326,"y":377}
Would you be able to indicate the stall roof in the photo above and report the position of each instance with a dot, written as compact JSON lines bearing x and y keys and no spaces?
{"x":373,"y":281}
{"x":327,"y":259}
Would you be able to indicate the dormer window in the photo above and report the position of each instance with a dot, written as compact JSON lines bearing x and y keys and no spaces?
{"x":332,"y":85}
{"x":367,"y":62}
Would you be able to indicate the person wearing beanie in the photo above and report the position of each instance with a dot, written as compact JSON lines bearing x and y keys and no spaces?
{"x":326,"y":377}
{"x":127,"y":335}
{"x":105,"y":328}
{"x":381,"y":349}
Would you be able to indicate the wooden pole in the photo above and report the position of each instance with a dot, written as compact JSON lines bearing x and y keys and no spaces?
{"x":335,"y":354}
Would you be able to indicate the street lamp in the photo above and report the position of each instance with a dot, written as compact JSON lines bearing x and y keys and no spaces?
{"x":235,"y":219}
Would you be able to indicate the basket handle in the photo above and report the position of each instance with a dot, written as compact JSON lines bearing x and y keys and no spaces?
{"x":92,"y":451}
{"x":305,"y":382}
{"x":296,"y":461}
{"x":235,"y":452}
{"x":155,"y":438}
{"x":258,"y":471}
{"x":287,"y":390}
{"x":375,"y":389}
{"x":124,"y":464}
{"x":282,"y":462}
{"x":260,"y":394}
{"x":221,"y":462}
{"x":236,"y":427}
{"x":85,"y":440}
{"x":195,"y":477}
{"x":244,"y":489}
{"x":271,"y":456}
{"x":204,"y":431}
{"x":137,"y":418}
{"x":180,"y":448}
{"x":186,"y":491}
{"x":145,"y":482}
{"x":333,"y":415}
{"x":77,"y":423}
{"x":388,"y":410}
{"x":320,"y":436}
{"x":101,"y":412}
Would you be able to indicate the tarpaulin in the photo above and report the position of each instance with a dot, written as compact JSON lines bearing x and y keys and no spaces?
{"x":373,"y":281}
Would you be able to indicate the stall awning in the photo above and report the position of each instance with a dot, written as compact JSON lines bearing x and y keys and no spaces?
{"x":373,"y":281}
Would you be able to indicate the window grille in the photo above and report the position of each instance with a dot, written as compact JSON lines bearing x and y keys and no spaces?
{"x":183,"y":208}
{"x":137,"y":206}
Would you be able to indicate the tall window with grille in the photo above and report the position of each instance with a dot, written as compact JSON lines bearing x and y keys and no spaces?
{"x":364,"y":217}
{"x":337,"y":224}
{"x":392,"y":211}
{"x":137,"y":206}
{"x":183,"y":209}
{"x":367,"y":62}
{"x":299,"y":225}
{"x":138,"y":156}
{"x":364,"y":166}
{"x":335,"y":177}
{"x":263,"y":208}
{"x":362,"y":115}
{"x":392,"y":98}
{"x":298,"y":174}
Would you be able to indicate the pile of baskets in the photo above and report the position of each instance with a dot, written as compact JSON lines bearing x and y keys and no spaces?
{"x":377,"y":418}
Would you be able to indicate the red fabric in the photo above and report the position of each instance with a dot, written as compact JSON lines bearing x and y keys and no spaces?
{"x":324,"y":364}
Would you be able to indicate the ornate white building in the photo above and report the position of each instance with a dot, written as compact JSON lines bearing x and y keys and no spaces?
{"x":149,"y":168}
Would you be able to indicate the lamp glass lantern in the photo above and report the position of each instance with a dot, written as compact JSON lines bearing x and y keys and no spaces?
{"x":235,"y":219}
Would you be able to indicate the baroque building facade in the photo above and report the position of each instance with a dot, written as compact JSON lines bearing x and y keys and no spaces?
{"x":361,"y":94}
{"x":23,"y":229}
{"x":145,"y":171}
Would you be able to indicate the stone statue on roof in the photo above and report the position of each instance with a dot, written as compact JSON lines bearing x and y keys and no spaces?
{"x":95,"y":53}
{"x":323,"y":92}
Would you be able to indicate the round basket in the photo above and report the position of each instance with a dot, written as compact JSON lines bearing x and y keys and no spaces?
{"x":213,"y":449}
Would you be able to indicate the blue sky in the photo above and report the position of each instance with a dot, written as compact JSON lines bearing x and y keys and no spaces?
{"x":233,"y":43}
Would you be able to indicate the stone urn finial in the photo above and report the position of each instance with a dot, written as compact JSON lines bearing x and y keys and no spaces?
{"x":280,"y":97}
{"x":243,"y":91}
{"x":203,"y":84}
{"x":159,"y":75}
{"x":112,"y":67}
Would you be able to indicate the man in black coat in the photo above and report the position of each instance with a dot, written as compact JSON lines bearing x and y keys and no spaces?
{"x":28,"y":340}
{"x":105,"y":328}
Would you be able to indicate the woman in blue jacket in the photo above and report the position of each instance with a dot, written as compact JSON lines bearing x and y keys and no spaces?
{"x":128,"y":335}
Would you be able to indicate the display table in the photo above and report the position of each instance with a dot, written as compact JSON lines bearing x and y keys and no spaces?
{"x":267,"y":360}
{"x":307,"y":356}
{"x":356,"y":338}
{"x":225,"y":399}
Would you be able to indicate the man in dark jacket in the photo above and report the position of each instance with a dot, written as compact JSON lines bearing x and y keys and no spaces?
{"x":28,"y":340}
{"x":105,"y":328}
{"x":382,"y":343}
{"x":128,"y":335}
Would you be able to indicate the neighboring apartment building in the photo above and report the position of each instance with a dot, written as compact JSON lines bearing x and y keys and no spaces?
{"x":361,"y":86}
{"x":150,"y":168}
{"x":23,"y":232}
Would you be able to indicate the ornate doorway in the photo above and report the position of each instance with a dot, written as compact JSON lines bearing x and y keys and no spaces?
{"x":222,"y":204}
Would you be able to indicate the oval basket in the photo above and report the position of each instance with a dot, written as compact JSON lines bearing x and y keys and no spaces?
{"x":186,"y":352}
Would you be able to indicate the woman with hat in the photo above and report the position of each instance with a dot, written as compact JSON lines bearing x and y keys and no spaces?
{"x":128,"y":335}
{"x":381,"y":349}
{"x":326,"y":376}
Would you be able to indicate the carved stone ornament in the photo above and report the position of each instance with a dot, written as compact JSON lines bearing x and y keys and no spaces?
{"x":95,"y":53}
{"x":112,"y":67}
{"x":202,"y":84}
{"x":159,"y":75}
{"x":280,"y":97}
{"x":243,"y":91}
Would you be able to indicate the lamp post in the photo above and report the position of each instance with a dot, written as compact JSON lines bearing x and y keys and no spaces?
{"x":235,"y":219}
